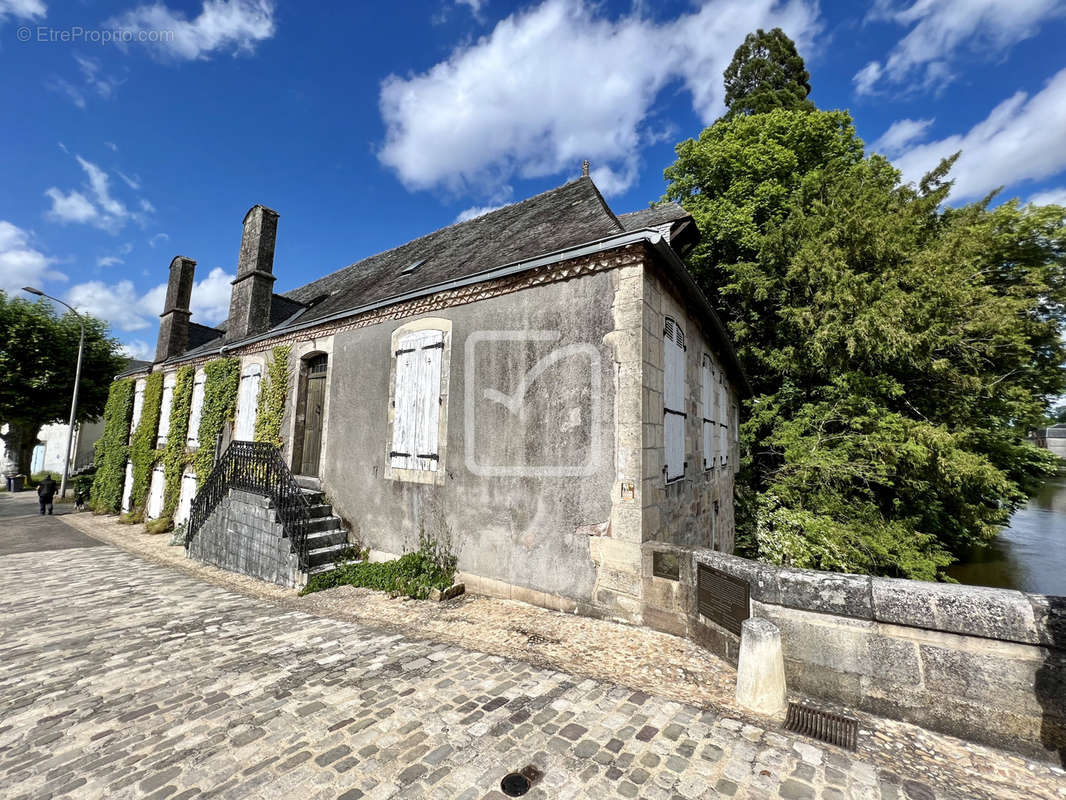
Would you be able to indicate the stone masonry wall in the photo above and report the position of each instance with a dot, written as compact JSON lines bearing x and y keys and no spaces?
{"x":984,"y":664}
{"x":243,"y":535}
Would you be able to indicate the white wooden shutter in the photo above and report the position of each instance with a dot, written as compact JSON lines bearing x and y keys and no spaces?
{"x":197,"y":408}
{"x":720,"y":413}
{"x":416,"y":401}
{"x":138,"y":404}
{"x":127,"y":487}
{"x":155,"y":494}
{"x":674,"y":399}
{"x":247,"y":398}
{"x":165,"y":406}
{"x":188,"y":492}
{"x":708,"y":431}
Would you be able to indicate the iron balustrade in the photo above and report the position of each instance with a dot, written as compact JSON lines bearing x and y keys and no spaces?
{"x":256,"y":467}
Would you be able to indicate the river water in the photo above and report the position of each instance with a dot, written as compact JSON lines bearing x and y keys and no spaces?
{"x":1030,"y":554}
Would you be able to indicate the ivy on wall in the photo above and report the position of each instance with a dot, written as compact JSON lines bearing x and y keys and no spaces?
{"x":222,"y":379}
{"x":142,"y":449}
{"x":112,"y":449}
{"x":174,"y":456}
{"x":270,"y":405}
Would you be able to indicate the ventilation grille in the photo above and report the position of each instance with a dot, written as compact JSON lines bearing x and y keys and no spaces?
{"x":823,"y":725}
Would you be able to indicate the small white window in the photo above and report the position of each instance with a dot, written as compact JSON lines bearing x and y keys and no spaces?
{"x":674,"y":399}
{"x":197,"y":408}
{"x":166,"y":404}
{"x":138,"y":405}
{"x":247,"y":397}
{"x":709,"y":430}
{"x":417,"y":401}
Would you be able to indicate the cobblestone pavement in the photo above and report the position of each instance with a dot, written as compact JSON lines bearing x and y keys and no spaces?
{"x":123,"y":678}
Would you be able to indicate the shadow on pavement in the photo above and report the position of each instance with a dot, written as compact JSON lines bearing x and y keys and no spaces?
{"x":24,"y":530}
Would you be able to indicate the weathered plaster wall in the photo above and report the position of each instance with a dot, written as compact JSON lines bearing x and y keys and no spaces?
{"x":527,"y":500}
{"x":984,"y":664}
{"x":696,"y":510}
{"x":243,"y":535}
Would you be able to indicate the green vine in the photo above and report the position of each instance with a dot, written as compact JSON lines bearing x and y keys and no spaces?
{"x":222,"y":379}
{"x":174,"y":455}
{"x":142,"y":449}
{"x":112,"y":449}
{"x":270,"y":405}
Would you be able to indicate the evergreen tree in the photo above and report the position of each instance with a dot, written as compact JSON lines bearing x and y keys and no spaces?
{"x":767,"y":73}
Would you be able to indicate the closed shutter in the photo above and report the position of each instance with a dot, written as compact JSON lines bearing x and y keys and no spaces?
{"x":674,"y":399}
{"x":164,"y":409}
{"x":416,"y":401}
{"x":138,"y":405}
{"x":127,"y":487}
{"x":197,"y":408}
{"x":723,"y":427}
{"x":155,"y":494}
{"x":708,"y":430}
{"x":247,"y":398}
{"x":188,"y":492}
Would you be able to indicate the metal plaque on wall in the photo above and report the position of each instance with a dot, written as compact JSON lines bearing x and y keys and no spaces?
{"x":722,"y":598}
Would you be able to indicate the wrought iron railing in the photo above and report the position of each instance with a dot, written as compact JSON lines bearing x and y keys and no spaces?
{"x":259,"y":468}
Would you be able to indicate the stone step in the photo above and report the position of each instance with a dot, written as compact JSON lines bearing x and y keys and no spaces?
{"x":326,"y":538}
{"x":314,"y":496}
{"x":321,"y":510}
{"x":316,"y":524}
{"x":325,"y":555}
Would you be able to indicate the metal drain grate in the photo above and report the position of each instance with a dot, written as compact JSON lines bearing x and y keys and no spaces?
{"x":824,"y":726}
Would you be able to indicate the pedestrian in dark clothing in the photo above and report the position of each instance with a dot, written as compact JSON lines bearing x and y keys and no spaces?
{"x":46,"y":490}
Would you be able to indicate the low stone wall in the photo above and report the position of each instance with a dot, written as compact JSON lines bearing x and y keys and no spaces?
{"x":984,"y":664}
{"x":243,"y":535}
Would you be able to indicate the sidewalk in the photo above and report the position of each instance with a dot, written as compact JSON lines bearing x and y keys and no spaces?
{"x":904,"y":760}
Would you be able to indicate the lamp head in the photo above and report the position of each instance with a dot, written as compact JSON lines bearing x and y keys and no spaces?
{"x":31,"y":290}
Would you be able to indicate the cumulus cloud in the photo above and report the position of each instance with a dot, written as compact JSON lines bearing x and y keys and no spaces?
{"x":139,"y":349}
{"x":1050,"y":197}
{"x":941,"y":29}
{"x":21,"y":263}
{"x":22,"y":9}
{"x":94,"y":204}
{"x":899,"y":135}
{"x":1022,"y":139}
{"x":474,"y":211}
{"x":234,"y":26}
{"x":562,"y":82}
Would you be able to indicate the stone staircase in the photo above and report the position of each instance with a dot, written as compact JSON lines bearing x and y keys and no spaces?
{"x":327,"y":538}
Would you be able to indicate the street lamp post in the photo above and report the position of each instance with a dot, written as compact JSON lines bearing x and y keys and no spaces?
{"x":77,"y":381}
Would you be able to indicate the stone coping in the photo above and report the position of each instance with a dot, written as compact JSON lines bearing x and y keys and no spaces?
{"x":1001,"y":614}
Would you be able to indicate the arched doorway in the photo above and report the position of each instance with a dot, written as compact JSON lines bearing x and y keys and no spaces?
{"x":307,"y":443}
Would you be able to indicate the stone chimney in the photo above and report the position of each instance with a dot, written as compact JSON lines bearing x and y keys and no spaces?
{"x":174,"y":321}
{"x":249,"y":305}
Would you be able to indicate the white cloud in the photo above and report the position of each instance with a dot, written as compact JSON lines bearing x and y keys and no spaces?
{"x":109,"y":261}
{"x":210,"y":297}
{"x":23,"y":9}
{"x":91,"y":70}
{"x":102,"y":210}
{"x":134,"y":182}
{"x":1050,"y":197}
{"x":233,"y":25}
{"x":560,"y":83}
{"x":940,"y":29}
{"x":157,"y":239}
{"x":22,"y":264}
{"x":899,"y":135}
{"x":73,"y":93}
{"x":139,"y":349}
{"x":474,"y":212}
{"x":111,"y":146}
{"x":1022,"y":139}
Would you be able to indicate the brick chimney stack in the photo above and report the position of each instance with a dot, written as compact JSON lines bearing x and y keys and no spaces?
{"x":174,"y":321}
{"x":249,"y":305}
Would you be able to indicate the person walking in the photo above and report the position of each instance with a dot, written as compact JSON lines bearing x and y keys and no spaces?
{"x":46,"y":490}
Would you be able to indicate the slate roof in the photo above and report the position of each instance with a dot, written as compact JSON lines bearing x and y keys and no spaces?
{"x":571,"y":215}
{"x":202,"y":334}
{"x":652,"y":217}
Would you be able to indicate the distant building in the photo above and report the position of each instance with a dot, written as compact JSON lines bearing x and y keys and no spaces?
{"x":1053,"y":439}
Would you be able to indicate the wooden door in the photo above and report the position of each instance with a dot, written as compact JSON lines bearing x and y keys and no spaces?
{"x":312,"y":404}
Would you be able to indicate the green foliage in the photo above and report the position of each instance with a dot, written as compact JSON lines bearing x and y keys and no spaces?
{"x":413,"y":574}
{"x":270,"y":405}
{"x":174,"y":452}
{"x":767,"y":73}
{"x":38,"y":351}
{"x":223,"y":377}
{"x":162,"y":525}
{"x":899,"y":350}
{"x":112,"y":448}
{"x":143,"y":454}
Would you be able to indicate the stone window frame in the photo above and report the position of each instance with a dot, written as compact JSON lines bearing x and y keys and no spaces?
{"x":436,"y":476}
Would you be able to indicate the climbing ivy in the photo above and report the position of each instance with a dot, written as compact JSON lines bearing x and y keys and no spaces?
{"x":142,"y":449}
{"x":223,"y":377}
{"x":112,"y":449}
{"x":174,"y":455}
{"x":270,"y":405}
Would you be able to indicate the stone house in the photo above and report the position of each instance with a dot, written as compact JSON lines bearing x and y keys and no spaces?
{"x":543,"y":388}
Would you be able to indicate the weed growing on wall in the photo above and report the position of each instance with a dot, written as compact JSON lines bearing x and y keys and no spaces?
{"x":270,"y":405}
{"x":112,"y":448}
{"x":174,"y":455}
{"x":142,"y":449}
{"x":223,"y":377}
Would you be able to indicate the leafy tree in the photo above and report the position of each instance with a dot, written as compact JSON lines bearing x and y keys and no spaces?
{"x":767,"y":73}
{"x":38,"y":351}
{"x":899,"y":350}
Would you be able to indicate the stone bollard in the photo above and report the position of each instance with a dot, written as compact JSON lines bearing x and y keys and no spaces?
{"x":761,"y":668}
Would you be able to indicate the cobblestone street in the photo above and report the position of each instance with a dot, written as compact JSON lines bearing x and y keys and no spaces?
{"x":123,"y":678}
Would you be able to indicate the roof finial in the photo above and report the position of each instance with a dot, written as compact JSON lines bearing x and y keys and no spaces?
{"x":585,"y":168}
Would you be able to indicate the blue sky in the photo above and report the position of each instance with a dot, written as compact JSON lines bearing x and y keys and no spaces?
{"x":366,"y":125}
